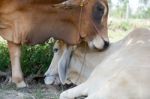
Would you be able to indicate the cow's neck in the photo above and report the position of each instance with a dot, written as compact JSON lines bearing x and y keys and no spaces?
{"x":91,"y":60}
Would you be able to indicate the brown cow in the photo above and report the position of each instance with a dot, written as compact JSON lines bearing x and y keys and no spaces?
{"x":34,"y":21}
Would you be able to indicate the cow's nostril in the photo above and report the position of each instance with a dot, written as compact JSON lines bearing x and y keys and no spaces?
{"x":106,"y":44}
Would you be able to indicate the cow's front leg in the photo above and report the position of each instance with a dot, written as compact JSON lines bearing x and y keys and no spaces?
{"x":15,"y":53}
{"x":80,"y":90}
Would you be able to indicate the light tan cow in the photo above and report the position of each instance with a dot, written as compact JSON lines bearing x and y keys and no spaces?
{"x":121,"y":72}
{"x":35,"y":21}
{"x":62,"y":56}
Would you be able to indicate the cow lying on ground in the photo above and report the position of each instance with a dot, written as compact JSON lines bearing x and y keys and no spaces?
{"x":34,"y":21}
{"x":78,"y":64}
{"x":121,"y":72}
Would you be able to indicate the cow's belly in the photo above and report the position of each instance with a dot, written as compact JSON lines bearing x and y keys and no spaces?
{"x":44,"y":32}
{"x":36,"y":38}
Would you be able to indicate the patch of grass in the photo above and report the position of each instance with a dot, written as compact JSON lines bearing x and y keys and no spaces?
{"x":10,"y":86}
{"x":41,"y":93}
{"x":38,"y":94}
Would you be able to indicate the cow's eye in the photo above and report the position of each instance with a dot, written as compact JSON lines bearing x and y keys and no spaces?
{"x":55,"y":50}
{"x":99,"y":8}
{"x":98,"y":11}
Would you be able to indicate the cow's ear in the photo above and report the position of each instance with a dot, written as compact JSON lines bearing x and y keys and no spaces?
{"x":63,"y":64}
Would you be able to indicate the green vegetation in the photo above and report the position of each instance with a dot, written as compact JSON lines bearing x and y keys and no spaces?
{"x":4,"y":57}
{"x":34,"y":59}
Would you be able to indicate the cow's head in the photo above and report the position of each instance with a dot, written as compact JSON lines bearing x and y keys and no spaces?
{"x":96,"y":13}
{"x":91,"y":21}
{"x":58,"y":69}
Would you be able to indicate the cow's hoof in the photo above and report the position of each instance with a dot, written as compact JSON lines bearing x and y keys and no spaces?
{"x":22,"y":84}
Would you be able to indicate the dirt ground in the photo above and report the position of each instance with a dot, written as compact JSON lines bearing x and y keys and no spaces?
{"x":38,"y":91}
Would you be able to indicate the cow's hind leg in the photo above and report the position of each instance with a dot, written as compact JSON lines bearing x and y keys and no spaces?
{"x":80,"y":90}
{"x":15,"y":53}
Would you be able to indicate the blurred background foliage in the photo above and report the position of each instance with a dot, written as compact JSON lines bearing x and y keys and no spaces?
{"x":124,"y":16}
{"x":130,"y":9}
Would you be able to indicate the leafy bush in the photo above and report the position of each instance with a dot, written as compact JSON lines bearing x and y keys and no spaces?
{"x":34,"y":59}
{"x":4,"y":57}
